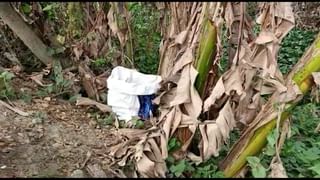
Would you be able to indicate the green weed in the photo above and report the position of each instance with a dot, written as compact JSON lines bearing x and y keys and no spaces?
{"x":301,"y":153}
{"x":6,"y":90}
{"x":292,"y":48}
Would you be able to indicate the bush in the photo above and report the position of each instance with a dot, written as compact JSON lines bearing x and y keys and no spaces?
{"x":146,"y":37}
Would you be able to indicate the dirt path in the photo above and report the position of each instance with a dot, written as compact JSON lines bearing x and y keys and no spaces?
{"x":57,"y":139}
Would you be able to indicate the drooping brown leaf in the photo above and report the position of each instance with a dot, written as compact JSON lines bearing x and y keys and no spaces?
{"x":168,"y":123}
{"x":277,"y":169}
{"x":149,"y":161}
{"x":264,"y":58}
{"x":183,"y":89}
{"x":316,"y":77}
{"x":213,"y":134}
{"x":194,"y":107}
{"x":216,"y":93}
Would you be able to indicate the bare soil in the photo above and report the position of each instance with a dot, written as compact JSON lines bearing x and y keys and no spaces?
{"x":54,"y":141}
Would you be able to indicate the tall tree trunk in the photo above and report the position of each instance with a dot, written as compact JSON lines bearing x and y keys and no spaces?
{"x":24,"y":32}
{"x":75,"y":20}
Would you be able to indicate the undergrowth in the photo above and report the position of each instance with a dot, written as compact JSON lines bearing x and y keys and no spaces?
{"x":292,"y":48}
{"x":6,"y":89}
{"x":145,"y":22}
{"x":300,"y":153}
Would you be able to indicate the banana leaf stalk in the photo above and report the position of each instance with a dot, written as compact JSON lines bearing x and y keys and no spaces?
{"x":206,"y":54}
{"x":302,"y":76}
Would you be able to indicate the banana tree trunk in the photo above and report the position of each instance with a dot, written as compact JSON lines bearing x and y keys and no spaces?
{"x":255,"y":138}
{"x":204,"y":62}
{"x":188,"y":45}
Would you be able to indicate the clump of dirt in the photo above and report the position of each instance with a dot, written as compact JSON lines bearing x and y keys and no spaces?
{"x":57,"y":139}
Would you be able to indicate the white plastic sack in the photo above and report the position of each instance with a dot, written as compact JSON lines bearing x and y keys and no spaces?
{"x":124,"y":87}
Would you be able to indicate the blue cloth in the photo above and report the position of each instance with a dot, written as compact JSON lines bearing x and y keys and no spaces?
{"x":146,"y":106}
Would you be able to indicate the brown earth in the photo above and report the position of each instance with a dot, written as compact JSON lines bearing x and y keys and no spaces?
{"x":54,"y":141}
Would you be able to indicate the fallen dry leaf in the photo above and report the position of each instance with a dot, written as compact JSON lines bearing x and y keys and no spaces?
{"x":263,"y":60}
{"x":277,"y":171}
{"x":82,"y":101}
{"x":38,"y":78}
{"x":18,"y":111}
